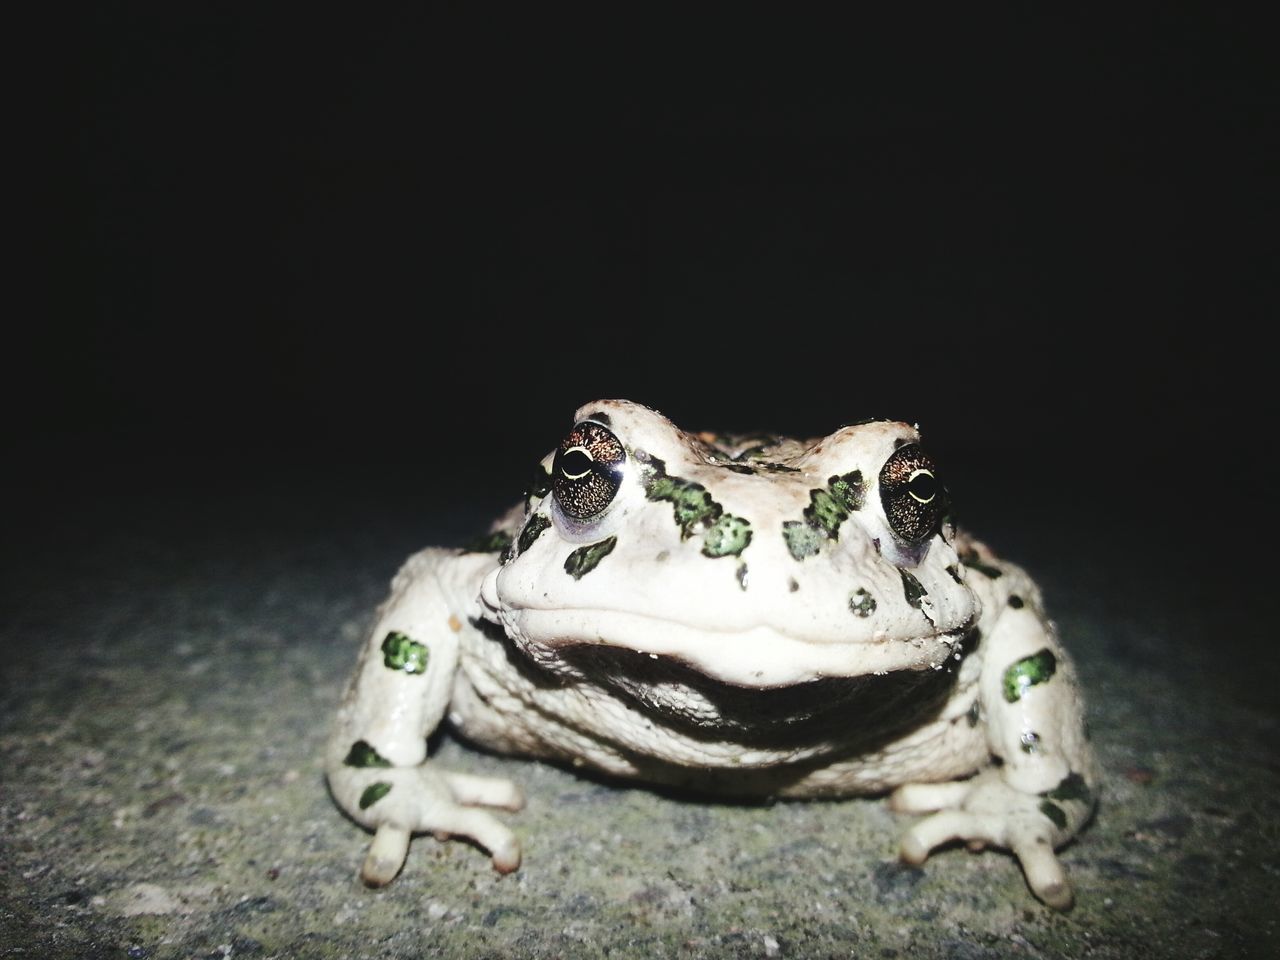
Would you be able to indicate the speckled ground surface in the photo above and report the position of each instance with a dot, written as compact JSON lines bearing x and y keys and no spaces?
{"x":169,"y":671}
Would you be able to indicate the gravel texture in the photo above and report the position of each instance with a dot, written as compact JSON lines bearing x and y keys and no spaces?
{"x":169,"y":671}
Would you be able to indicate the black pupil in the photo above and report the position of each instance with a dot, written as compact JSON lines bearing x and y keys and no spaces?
{"x":924,"y":486}
{"x":575,"y":463}
{"x":587,"y":471}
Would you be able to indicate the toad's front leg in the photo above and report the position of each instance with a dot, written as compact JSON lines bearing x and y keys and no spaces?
{"x":1041,"y":792}
{"x":376,"y":758}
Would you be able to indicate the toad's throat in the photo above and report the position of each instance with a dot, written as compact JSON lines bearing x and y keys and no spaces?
{"x":829,"y":708}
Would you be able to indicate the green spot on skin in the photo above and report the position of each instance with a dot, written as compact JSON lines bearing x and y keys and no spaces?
{"x":583,"y":560}
{"x":373,"y":793}
{"x":741,"y":574}
{"x":695,"y":510}
{"x":495,"y":542}
{"x":913,"y":590}
{"x":826,"y":513}
{"x":973,"y":714}
{"x":828,"y":508}
{"x":532,"y":530}
{"x":758,"y":451}
{"x":399,"y":652}
{"x":1072,"y":787}
{"x":862,"y":603}
{"x":1028,"y":672}
{"x":1054,"y":813}
{"x":363,"y":755}
{"x":727,"y":537}
{"x":802,"y":540}
{"x":691,"y":503}
{"x":657,"y":485}
{"x":849,"y":490}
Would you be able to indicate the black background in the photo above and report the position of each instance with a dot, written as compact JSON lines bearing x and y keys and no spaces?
{"x":312,"y":291}
{"x":402,"y":247}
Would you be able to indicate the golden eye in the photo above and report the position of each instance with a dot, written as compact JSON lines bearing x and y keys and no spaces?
{"x":587,"y":470}
{"x":913,"y":498}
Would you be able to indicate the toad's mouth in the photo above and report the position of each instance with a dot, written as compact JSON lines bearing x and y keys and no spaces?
{"x":828,"y":709}
{"x":757,"y":658}
{"x":859,"y":710}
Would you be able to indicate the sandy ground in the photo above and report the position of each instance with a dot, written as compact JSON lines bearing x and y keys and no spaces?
{"x":169,"y":671}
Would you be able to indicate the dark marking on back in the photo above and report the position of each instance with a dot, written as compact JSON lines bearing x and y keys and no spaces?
{"x":1015,"y":601}
{"x":750,"y":460}
{"x":758,"y":449}
{"x":601,"y":418}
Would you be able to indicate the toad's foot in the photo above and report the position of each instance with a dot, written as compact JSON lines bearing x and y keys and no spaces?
{"x":986,"y":810}
{"x":401,"y":801}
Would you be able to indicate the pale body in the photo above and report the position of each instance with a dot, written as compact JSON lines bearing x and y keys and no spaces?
{"x":737,"y":619}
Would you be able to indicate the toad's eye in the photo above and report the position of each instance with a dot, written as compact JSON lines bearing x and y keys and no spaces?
{"x":912,"y":495}
{"x":587,"y":470}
